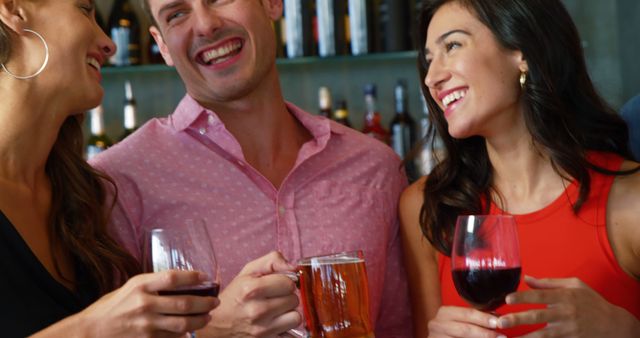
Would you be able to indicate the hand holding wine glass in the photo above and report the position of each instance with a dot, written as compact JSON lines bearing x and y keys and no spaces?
{"x":485,"y":259}
{"x":185,"y":246}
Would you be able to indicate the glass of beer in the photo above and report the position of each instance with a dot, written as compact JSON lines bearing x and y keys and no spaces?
{"x":335,"y":295}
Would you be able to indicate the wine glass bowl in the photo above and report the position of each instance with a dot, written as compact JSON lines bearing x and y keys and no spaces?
{"x":485,"y":259}
{"x":184,"y":246}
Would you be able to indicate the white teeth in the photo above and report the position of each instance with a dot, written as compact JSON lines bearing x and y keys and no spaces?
{"x":457,"y":95}
{"x":221,"y":53}
{"x":94,"y":63}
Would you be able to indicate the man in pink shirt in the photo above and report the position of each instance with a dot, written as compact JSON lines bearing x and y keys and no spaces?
{"x":262,"y":173}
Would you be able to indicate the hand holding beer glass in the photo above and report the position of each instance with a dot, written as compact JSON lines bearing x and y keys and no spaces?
{"x":335,"y":296}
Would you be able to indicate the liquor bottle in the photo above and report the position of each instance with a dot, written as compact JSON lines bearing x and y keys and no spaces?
{"x":342,"y":114}
{"x":98,"y":141}
{"x":360,"y":26}
{"x":332,"y":36}
{"x":402,"y":126}
{"x":392,"y":20}
{"x":425,"y":159}
{"x":280,"y":37}
{"x":298,"y":15}
{"x":324,"y":100}
{"x":372,"y":119}
{"x":155,"y":57}
{"x":130,"y":124}
{"x":124,"y":29}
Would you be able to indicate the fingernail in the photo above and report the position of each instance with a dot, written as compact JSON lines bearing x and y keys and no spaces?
{"x":203,"y":277}
{"x":508,"y":300}
{"x":493,"y":323}
{"x":502,"y":336}
{"x":502,"y":323}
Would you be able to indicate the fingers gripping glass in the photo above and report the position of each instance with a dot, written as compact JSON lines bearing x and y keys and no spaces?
{"x":184,"y":246}
{"x":485,"y":261}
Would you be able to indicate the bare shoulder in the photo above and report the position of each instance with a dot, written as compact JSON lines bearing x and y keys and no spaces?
{"x":412,"y":197}
{"x":623,"y":221}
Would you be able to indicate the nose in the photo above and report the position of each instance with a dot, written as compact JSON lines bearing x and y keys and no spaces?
{"x":206,"y":20}
{"x":107,"y":47}
{"x":437,"y":73}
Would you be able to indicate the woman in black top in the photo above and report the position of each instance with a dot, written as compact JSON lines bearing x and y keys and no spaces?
{"x":56,"y":257}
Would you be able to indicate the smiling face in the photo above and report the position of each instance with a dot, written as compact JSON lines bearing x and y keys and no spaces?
{"x":470,"y":76}
{"x":77,"y":46}
{"x":223,"y":50}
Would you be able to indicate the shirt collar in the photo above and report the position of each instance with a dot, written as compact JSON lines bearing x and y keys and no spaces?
{"x":189,"y":111}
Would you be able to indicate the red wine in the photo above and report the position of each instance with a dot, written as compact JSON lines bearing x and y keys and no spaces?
{"x":210,"y":290}
{"x":486,"y":289}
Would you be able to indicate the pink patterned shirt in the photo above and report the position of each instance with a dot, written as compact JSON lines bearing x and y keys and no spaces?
{"x":341,"y":195}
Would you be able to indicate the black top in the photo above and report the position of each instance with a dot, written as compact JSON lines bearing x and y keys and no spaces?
{"x":31,"y":299}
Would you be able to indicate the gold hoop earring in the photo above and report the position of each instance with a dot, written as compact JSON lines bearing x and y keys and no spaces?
{"x":44,"y":64}
{"x":523,"y":79}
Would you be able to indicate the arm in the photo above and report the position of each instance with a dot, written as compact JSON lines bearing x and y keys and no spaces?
{"x":421,"y":260}
{"x":135,"y":310}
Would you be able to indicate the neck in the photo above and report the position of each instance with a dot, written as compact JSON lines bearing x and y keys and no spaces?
{"x":30,"y":128}
{"x":523,"y":174}
{"x":269,"y":135}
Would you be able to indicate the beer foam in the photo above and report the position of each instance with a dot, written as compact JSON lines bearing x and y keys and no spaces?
{"x":330,"y":261}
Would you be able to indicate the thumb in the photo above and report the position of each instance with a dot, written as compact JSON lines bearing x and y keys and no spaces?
{"x":267,"y":264}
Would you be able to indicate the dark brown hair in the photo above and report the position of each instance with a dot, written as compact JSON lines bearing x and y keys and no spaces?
{"x":563,"y":112}
{"x":79,"y":213}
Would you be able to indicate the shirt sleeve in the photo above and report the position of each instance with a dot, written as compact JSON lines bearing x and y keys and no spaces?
{"x":394,"y":318}
{"x":123,"y":222}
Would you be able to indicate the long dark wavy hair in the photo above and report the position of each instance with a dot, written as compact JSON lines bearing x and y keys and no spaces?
{"x":79,"y":210}
{"x":562,"y":110}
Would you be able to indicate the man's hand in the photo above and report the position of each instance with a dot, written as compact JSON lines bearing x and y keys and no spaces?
{"x":259,"y":302}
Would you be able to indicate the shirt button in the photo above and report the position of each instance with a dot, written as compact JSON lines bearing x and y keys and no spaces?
{"x":282,"y":210}
{"x":202,"y":131}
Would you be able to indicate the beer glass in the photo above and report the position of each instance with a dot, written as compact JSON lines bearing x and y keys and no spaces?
{"x":335,"y":296}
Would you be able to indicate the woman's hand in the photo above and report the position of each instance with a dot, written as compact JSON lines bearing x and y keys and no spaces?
{"x":136,"y":310}
{"x":573,"y":310}
{"x":459,"y":322}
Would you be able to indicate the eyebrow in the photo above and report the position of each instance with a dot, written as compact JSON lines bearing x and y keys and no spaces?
{"x":169,"y":6}
{"x":445,"y":35}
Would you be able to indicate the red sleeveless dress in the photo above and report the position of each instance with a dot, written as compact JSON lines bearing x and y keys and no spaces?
{"x":556,"y":243}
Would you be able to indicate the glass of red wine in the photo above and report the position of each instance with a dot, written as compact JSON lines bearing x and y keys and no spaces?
{"x":485,"y":259}
{"x":187,"y":246}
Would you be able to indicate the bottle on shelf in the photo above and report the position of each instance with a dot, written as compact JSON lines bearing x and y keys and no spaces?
{"x":98,"y":140}
{"x":392,"y":34}
{"x":360,"y":26}
{"x":332,"y":36}
{"x":402,"y":126}
{"x":124,"y":29}
{"x":372,"y":119}
{"x":341,"y":114}
{"x":298,"y":16}
{"x":130,"y":124}
{"x":426,"y":159}
{"x":155,"y":57}
{"x":324,"y":101}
